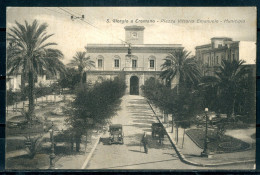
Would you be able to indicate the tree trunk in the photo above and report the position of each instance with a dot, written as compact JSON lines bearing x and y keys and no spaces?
{"x":172,"y":123}
{"x":177,"y":134}
{"x":31,"y":95}
{"x":81,"y":78}
{"x":86,"y":78}
{"x":72,"y":135}
{"x":77,"y":145}
{"x":71,"y":145}
{"x":183,"y":137}
{"x":233,"y":107}
{"x":77,"y":140}
{"x":23,"y":86}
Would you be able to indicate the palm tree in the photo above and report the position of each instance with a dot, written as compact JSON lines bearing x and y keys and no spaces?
{"x":182,"y":67}
{"x":208,"y":90}
{"x":82,"y":62}
{"x":31,"y":54}
{"x":230,"y":75}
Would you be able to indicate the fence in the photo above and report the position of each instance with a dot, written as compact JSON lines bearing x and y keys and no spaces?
{"x":23,"y":106}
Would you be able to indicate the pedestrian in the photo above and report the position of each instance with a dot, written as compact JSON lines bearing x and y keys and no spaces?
{"x":161,"y":136}
{"x":145,"y":142}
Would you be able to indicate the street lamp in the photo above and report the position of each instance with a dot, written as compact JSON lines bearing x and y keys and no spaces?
{"x":52,"y":155}
{"x":205,"y":152}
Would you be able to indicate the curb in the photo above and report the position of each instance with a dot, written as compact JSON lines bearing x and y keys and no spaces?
{"x":91,"y":153}
{"x":183,"y":158}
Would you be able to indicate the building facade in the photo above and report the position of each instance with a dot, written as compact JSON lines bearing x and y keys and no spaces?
{"x":223,"y":48}
{"x":142,"y":63}
{"x":14,"y":82}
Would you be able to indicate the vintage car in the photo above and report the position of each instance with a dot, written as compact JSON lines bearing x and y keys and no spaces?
{"x":157,"y":128}
{"x":116,"y":134}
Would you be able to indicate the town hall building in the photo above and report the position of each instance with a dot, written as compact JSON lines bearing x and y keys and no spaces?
{"x":134,"y":60}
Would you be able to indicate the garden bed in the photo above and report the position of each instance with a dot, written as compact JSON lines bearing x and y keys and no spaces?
{"x":226,"y":144}
{"x":21,"y":131}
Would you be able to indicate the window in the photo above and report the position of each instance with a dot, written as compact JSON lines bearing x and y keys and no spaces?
{"x":208,"y":61}
{"x":117,"y":63}
{"x":217,"y":60}
{"x":151,"y":63}
{"x":233,"y":56}
{"x":100,"y":63}
{"x":134,"y":63}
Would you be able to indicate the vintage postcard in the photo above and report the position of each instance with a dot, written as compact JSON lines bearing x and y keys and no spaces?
{"x":132,"y":88}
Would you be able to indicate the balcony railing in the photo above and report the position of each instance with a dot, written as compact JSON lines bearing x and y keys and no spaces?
{"x":133,"y":69}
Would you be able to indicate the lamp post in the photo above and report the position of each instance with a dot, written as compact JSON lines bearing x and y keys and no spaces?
{"x":205,"y":152}
{"x":52,"y":155}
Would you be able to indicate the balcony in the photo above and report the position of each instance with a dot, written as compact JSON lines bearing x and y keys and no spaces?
{"x":133,"y":69}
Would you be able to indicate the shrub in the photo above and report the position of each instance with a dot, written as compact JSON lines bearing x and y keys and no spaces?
{"x":12,"y":97}
{"x":35,"y":145}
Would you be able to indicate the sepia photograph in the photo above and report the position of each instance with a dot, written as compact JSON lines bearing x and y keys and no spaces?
{"x":131,"y":88}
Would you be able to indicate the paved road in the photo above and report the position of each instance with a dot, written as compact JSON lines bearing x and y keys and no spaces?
{"x":136,"y":117}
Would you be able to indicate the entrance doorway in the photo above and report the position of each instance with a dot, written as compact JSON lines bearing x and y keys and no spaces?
{"x":134,"y":85}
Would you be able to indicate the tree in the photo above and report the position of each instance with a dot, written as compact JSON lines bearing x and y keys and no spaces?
{"x":82,"y":62}
{"x":32,"y":55}
{"x":181,"y":66}
{"x":183,"y":106}
{"x":208,"y":90}
{"x":70,"y":80}
{"x":94,"y":106}
{"x":229,"y":77}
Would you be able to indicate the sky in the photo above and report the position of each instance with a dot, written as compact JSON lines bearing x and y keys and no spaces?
{"x":189,"y":26}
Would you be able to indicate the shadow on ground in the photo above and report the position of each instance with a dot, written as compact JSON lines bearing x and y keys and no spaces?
{"x":143,"y":121}
{"x":135,"y":140}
